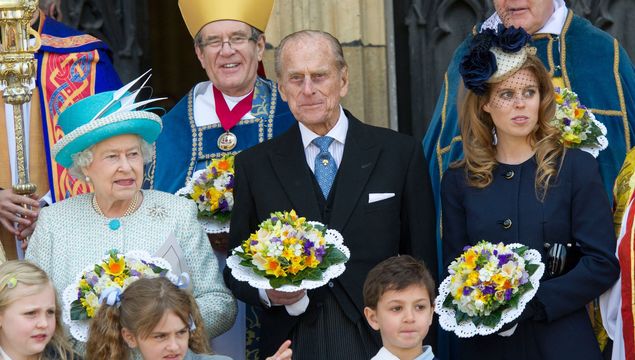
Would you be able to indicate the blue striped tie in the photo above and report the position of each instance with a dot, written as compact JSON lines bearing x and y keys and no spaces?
{"x":325,"y":167}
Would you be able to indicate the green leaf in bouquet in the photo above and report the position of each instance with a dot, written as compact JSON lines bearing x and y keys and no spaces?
{"x":447,"y":303}
{"x":246,"y":262}
{"x":333,"y":256}
{"x":98,"y":269}
{"x":460,"y":316}
{"x":493,"y":319}
{"x":277,"y":282}
{"x":521,"y":250}
{"x":531,"y":268}
{"x":319,"y":227}
{"x":77,"y":311}
{"x":311,"y":274}
{"x":513,"y":302}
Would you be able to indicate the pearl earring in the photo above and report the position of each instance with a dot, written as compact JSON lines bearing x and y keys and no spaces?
{"x":494,"y":137}
{"x":87,"y":178}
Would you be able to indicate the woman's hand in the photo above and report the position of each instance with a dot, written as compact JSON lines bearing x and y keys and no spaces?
{"x":283,"y":353}
{"x":13,"y":210}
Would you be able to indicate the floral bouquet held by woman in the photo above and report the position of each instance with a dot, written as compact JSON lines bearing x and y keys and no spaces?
{"x":578,"y":125}
{"x":212,"y":189}
{"x":488,"y":287}
{"x":288,"y":253}
{"x":104,"y":282}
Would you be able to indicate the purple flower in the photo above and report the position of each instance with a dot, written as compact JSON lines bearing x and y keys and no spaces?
{"x":566,"y":121}
{"x":308,"y":245}
{"x":253,"y":242}
{"x":92,"y":280}
{"x":489,"y":290}
{"x":319,"y":253}
{"x":504,"y":259}
{"x":134,"y":273}
{"x":223,"y":206}
{"x":230,"y":183}
{"x":201,"y":198}
{"x":524,"y":278}
{"x":276,"y":240}
{"x":508,"y":294}
{"x":467,"y":290}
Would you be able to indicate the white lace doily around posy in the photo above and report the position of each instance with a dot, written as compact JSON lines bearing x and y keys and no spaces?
{"x":210,"y":226}
{"x":79,"y":328}
{"x":467,"y":328}
{"x":244,"y":273}
{"x":603,"y":142}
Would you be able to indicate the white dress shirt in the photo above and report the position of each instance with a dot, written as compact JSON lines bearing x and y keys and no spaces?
{"x":385,"y":354}
{"x":338,"y":132}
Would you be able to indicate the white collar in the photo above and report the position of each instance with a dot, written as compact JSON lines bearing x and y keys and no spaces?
{"x":338,"y":132}
{"x":3,"y":355}
{"x":384,"y":354}
{"x":554,"y":24}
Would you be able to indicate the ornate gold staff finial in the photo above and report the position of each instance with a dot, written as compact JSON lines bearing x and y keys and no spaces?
{"x":17,"y":73}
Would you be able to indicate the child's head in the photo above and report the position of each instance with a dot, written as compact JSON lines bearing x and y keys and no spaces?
{"x":155,"y":316}
{"x":399,"y":297}
{"x":29,"y":312}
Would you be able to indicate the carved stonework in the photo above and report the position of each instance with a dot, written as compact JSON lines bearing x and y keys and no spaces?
{"x":428,"y":31}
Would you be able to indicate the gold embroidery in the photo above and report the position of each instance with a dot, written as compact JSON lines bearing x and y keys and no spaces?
{"x":606,"y":112}
{"x":443,"y":118}
{"x":552,"y":65}
{"x":563,"y":49}
{"x":620,"y":92}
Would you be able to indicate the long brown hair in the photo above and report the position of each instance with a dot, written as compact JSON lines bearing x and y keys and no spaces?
{"x":142,"y":307}
{"x":476,"y":131}
{"x":15,"y":273}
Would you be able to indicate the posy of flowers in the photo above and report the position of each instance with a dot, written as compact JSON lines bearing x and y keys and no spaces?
{"x":287,"y":249}
{"x":212,"y":189}
{"x":487,"y":280}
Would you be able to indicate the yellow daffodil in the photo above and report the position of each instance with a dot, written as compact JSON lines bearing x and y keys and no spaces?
{"x":571,"y":138}
{"x":311,"y":261}
{"x":114,"y":267}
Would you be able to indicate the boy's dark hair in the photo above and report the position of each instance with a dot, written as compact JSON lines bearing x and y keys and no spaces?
{"x":397,"y":273}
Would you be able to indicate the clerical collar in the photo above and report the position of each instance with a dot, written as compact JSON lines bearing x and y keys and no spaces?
{"x":554,"y":24}
{"x":338,"y":132}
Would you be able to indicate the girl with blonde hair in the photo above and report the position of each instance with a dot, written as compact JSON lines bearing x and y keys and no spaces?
{"x":158,"y":319}
{"x":30,"y":326}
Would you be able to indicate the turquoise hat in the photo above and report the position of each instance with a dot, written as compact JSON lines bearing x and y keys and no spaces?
{"x":100,"y":117}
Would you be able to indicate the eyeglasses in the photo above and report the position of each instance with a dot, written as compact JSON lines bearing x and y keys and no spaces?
{"x":235,"y":42}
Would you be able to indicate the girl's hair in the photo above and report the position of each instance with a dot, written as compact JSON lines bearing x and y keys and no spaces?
{"x":476,"y":131}
{"x":14,"y":273}
{"x":143,"y":305}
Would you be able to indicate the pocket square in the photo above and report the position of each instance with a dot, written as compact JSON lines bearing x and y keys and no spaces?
{"x":374,"y":197}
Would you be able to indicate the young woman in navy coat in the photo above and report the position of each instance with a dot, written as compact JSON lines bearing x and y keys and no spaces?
{"x":518,"y":184}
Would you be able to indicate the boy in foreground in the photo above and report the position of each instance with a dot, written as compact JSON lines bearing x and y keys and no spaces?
{"x":399,"y":302}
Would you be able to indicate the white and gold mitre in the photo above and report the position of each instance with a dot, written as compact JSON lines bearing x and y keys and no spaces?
{"x":198,"y":13}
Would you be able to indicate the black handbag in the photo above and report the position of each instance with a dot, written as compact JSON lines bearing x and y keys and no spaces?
{"x":561,"y":258}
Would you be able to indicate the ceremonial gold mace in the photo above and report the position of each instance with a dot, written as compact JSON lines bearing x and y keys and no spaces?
{"x":17,"y":72}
